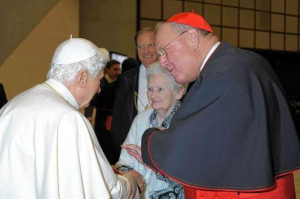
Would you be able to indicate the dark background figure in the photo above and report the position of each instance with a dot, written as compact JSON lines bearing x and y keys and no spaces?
{"x":103,"y":103}
{"x":3,"y":98}
{"x":287,"y":68}
{"x":131,"y":89}
{"x":129,"y":63}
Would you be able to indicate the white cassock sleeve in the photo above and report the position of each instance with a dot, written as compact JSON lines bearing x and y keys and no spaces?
{"x":83,"y":170}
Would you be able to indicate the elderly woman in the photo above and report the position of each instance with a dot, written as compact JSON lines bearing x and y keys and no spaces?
{"x":163,"y":95}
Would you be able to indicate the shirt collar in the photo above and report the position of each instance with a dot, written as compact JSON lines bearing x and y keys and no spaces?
{"x":209,"y":54}
{"x":109,"y":80}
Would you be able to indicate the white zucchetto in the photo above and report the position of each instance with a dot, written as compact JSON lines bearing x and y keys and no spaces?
{"x":104,"y":53}
{"x":74,"y":50}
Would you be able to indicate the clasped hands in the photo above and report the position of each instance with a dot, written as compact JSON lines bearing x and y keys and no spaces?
{"x":137,"y":176}
{"x":134,"y":151}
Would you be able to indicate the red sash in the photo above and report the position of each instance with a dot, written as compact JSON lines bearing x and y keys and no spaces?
{"x":108,"y":122}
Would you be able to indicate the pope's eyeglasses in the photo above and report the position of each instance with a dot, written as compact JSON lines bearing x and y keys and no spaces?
{"x":163,"y":51}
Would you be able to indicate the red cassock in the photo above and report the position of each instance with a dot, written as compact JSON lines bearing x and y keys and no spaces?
{"x":284,"y":189}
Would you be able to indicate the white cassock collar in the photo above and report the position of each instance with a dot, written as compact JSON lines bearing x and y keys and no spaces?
{"x":62,"y":90}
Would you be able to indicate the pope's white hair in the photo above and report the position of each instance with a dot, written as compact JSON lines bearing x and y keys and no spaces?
{"x":66,"y":73}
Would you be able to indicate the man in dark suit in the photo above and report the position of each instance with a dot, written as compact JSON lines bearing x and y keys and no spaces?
{"x":130,"y":96}
{"x":3,"y":98}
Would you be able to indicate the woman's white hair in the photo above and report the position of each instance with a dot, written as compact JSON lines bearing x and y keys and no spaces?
{"x":66,"y":73}
{"x":155,"y":68}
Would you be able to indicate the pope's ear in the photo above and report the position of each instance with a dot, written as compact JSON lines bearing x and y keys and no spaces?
{"x":82,"y":78}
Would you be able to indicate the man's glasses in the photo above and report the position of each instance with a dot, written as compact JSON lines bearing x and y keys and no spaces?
{"x":163,"y":51}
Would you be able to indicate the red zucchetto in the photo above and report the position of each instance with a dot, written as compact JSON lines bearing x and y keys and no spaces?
{"x":191,"y":19}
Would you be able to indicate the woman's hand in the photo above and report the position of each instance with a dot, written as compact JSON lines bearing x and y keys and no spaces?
{"x":134,"y":151}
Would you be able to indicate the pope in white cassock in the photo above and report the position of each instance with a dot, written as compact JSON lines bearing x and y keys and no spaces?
{"x":48,"y":149}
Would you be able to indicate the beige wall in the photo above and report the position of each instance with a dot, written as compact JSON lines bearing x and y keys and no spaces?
{"x":18,"y":18}
{"x":297,"y":184}
{"x":28,"y":64}
{"x":110,"y":24}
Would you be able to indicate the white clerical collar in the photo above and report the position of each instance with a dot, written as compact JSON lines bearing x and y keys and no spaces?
{"x":142,"y":100}
{"x":209,"y":54}
{"x":143,"y":70}
{"x":62,"y":90}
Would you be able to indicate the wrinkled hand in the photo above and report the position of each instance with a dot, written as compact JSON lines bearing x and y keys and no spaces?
{"x":161,"y":128}
{"x":115,"y":169}
{"x":138,"y":177}
{"x":134,"y":151}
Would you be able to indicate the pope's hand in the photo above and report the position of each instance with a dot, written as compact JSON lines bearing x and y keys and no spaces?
{"x":115,"y":169}
{"x":138,"y":178}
